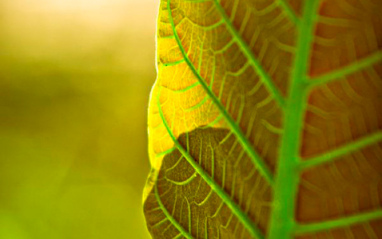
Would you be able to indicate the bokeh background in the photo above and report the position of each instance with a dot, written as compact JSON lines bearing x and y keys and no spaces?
{"x":75,"y":77}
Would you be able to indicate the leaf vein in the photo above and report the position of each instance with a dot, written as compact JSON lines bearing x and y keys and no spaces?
{"x":210,"y":181}
{"x":289,"y":11}
{"x":341,"y":222}
{"x":169,"y":217}
{"x":346,"y":70}
{"x":286,"y":180}
{"x":344,"y":150}
{"x":249,"y":54}
{"x":257,"y":160}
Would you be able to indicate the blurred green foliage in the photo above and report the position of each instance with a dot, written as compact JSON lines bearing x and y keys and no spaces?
{"x":74,"y":87}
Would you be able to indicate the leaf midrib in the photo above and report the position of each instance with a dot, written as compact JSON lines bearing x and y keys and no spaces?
{"x":287,"y":178}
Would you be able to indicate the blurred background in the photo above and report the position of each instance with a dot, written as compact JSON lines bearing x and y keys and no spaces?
{"x":75,"y":77}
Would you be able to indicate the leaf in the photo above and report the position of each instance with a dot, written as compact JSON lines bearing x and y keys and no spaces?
{"x":264,"y":120}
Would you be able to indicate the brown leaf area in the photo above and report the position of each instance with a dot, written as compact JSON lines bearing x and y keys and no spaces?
{"x":196,"y":201}
{"x":339,"y":112}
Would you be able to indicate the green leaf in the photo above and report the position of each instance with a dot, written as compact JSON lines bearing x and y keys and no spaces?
{"x":264,"y":120}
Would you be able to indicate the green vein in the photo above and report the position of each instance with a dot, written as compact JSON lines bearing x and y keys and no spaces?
{"x":198,"y":105}
{"x":347,"y":70}
{"x":286,"y":181}
{"x":256,"y":159}
{"x":173,"y":63}
{"x":244,"y":219}
{"x":178,"y":236}
{"x":341,"y":222}
{"x":165,"y":219}
{"x":187,"y":88}
{"x":206,"y":229}
{"x":212,"y":26}
{"x":272,"y":128}
{"x":169,"y":216}
{"x":189,"y":214}
{"x":185,"y":182}
{"x":289,"y":11}
{"x":165,"y":152}
{"x":212,"y":123}
{"x":344,"y":150}
{"x":175,"y":164}
{"x":249,"y":54}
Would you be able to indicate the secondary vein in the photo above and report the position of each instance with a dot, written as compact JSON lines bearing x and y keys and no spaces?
{"x":242,"y":216}
{"x":256,"y":159}
{"x":289,"y":11}
{"x":264,"y":76}
{"x":344,"y":150}
{"x":341,"y":222}
{"x":346,"y":70}
{"x":169,"y":216}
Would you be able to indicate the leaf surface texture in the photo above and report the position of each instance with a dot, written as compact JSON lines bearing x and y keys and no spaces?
{"x":265,"y":120}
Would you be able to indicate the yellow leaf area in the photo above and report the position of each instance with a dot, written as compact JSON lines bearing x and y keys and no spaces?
{"x":264,"y":120}
{"x":217,"y":58}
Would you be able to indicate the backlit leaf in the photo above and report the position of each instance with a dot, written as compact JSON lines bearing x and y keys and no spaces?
{"x":264,"y":121}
